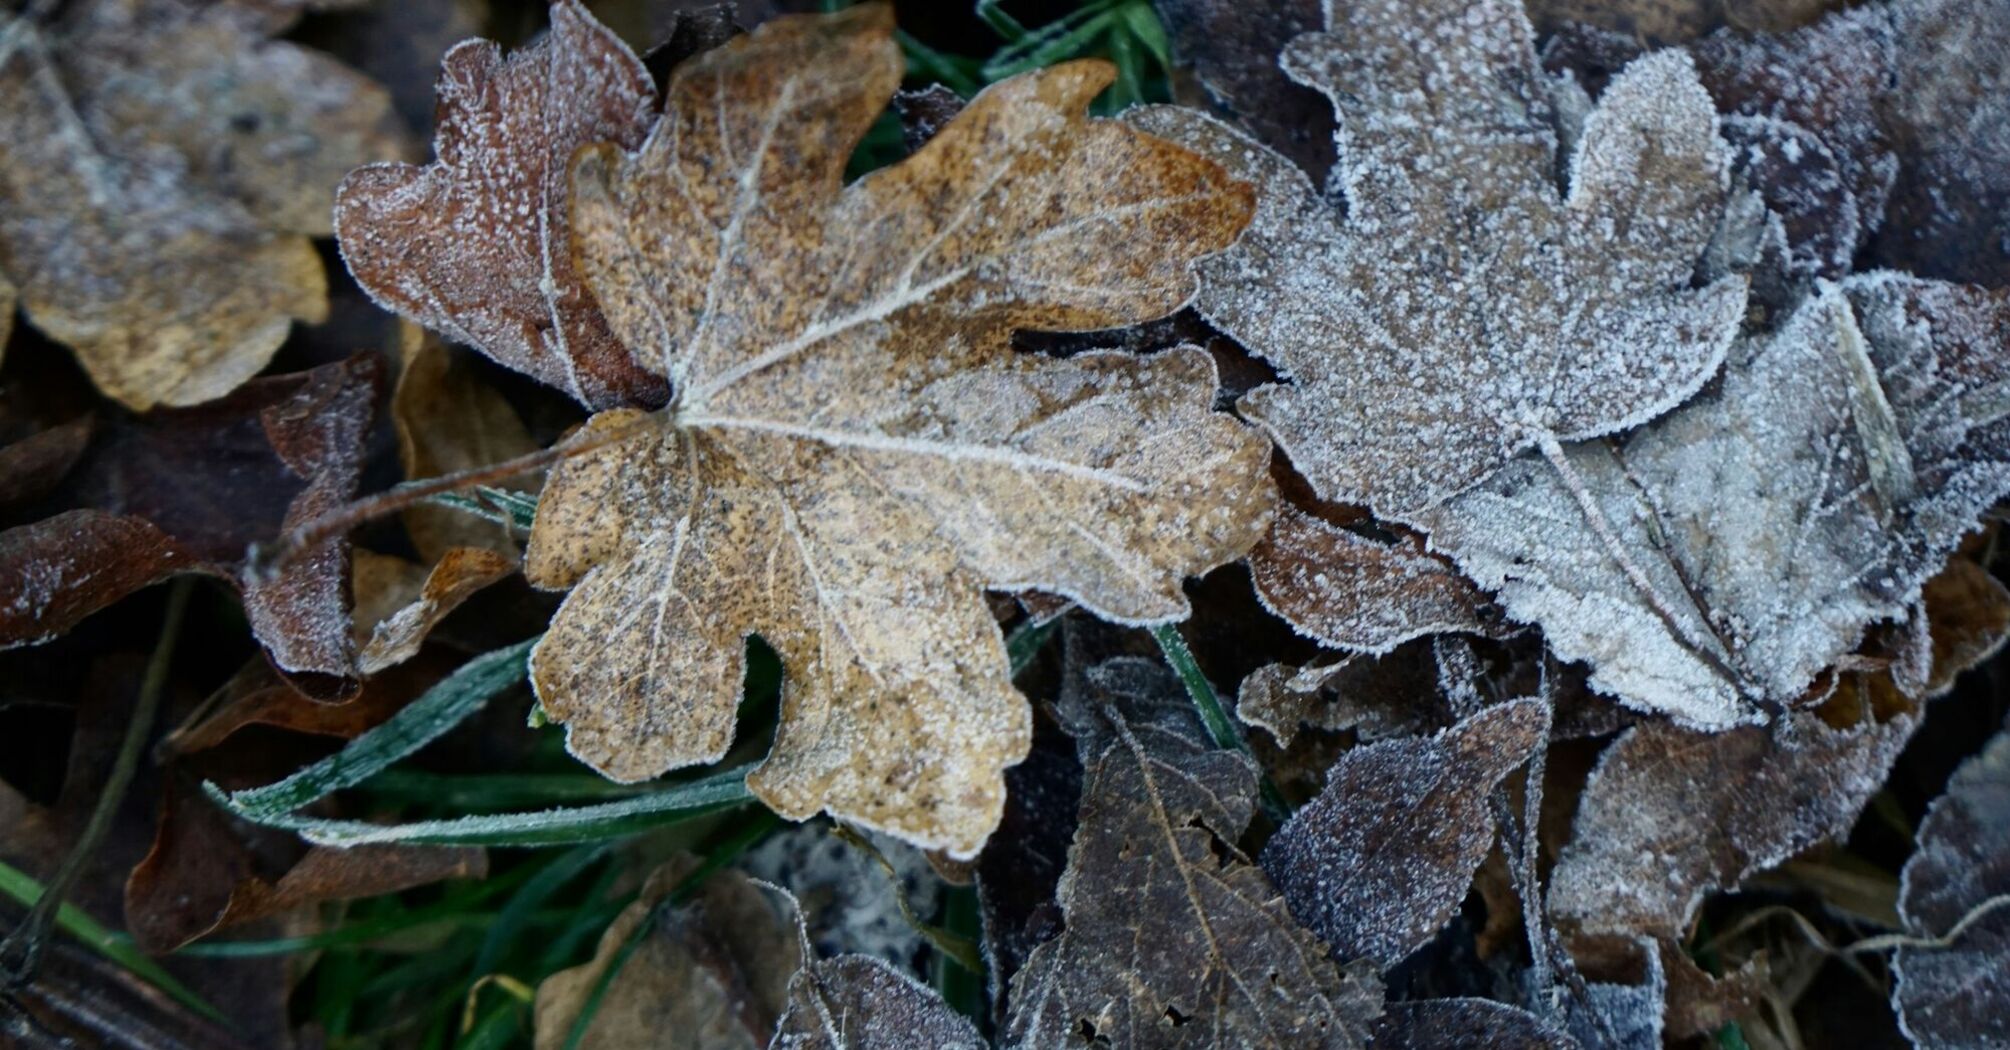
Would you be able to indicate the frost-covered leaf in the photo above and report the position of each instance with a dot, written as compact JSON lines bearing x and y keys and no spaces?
{"x":1232,"y":49}
{"x":1375,"y":697}
{"x":479,"y":245}
{"x":166,"y":164}
{"x":854,"y":451}
{"x":857,"y":1002}
{"x":1959,"y":995}
{"x":1465,"y":1024}
{"x":1764,"y":527}
{"x":1346,"y":591}
{"x":1464,"y":309}
{"x":707,"y":973}
{"x":1173,"y":938}
{"x":1380,"y":861}
{"x":1670,"y":814}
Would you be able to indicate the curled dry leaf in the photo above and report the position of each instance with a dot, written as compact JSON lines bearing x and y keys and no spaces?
{"x":479,"y":244}
{"x":1380,"y":861}
{"x":854,"y":451}
{"x":1465,"y":1024}
{"x":460,"y":573}
{"x":448,"y":419}
{"x":1722,"y":557}
{"x":1464,"y":310}
{"x":713,"y":972}
{"x":1671,"y":814}
{"x":1968,"y":617}
{"x":1959,"y":995}
{"x":1346,"y":591}
{"x":166,"y":165}
{"x":1172,"y":937}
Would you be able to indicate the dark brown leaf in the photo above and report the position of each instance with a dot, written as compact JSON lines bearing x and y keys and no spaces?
{"x":1172,"y":938}
{"x":59,"y":570}
{"x":1379,"y":862}
{"x":478,"y":245}
{"x":1671,"y":814}
{"x":856,"y":1002}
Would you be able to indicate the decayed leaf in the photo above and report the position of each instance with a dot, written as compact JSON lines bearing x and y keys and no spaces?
{"x":712,"y":974}
{"x":854,"y":451}
{"x":1173,"y":938}
{"x":1959,"y":996}
{"x":166,"y":165}
{"x":479,"y":244}
{"x":1349,"y":592}
{"x":1670,"y":814}
{"x":449,"y":420}
{"x":202,"y":875}
{"x":1968,"y":615}
{"x":1380,"y":861}
{"x":186,"y":490}
{"x":1464,"y":311}
{"x":1465,"y":1024}
{"x":857,"y":1002}
{"x":1770,"y":523}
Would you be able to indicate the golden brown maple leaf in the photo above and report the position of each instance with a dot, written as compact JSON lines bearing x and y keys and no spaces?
{"x":165,"y":165}
{"x":854,"y":450}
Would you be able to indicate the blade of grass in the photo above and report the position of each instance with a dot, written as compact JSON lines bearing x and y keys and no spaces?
{"x":424,"y":720}
{"x":515,"y":510}
{"x":74,"y":921}
{"x":727,"y":852}
{"x":1220,"y":727}
{"x":1025,"y":641}
{"x":551,"y":827}
{"x":516,"y":914}
{"x":465,"y":792}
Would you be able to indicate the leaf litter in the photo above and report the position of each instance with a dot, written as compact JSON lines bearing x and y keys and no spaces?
{"x":1595,"y":342}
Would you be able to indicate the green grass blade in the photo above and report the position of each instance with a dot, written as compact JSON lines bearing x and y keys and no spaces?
{"x":74,"y":921}
{"x":1220,"y":727}
{"x":1024,"y":643}
{"x":471,"y":792}
{"x":516,"y":915}
{"x":552,"y":827}
{"x":443,"y":707}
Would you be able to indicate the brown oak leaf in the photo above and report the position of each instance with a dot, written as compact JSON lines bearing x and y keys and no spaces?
{"x":479,"y":244}
{"x":166,"y":164}
{"x":854,"y":451}
{"x":1464,"y":309}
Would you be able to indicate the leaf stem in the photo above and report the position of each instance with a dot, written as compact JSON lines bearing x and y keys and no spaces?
{"x":21,"y":951}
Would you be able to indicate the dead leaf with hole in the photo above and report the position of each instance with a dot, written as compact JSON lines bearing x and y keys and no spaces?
{"x":1464,"y":310}
{"x":1959,"y":995}
{"x":713,"y":971}
{"x":855,"y":452}
{"x":1381,"y":860}
{"x":167,"y":163}
{"x":1716,"y":561}
{"x":1172,"y":937}
{"x":1670,"y":815}
{"x":479,"y":245}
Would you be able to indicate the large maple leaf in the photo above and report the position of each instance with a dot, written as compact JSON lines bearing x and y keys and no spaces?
{"x":854,"y":451}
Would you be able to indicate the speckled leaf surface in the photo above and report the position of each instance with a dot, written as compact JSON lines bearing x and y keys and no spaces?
{"x":1772,"y":521}
{"x":854,"y":451}
{"x":1465,"y":308}
{"x":478,"y":245}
